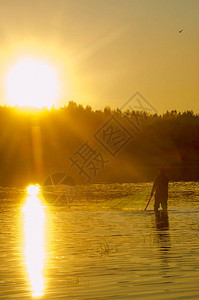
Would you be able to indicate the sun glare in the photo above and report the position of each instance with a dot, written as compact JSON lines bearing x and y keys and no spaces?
{"x":33,"y":190}
{"x":34,"y":219}
{"x":32,"y":83}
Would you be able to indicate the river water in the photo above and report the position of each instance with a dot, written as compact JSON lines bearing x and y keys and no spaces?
{"x":99,"y":245}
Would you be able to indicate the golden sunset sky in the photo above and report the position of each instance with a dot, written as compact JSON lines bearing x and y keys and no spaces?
{"x":106,"y":50}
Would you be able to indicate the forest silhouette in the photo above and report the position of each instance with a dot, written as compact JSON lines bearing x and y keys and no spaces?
{"x":35,"y":145}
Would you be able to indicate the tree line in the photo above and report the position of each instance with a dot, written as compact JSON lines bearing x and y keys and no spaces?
{"x":126,"y":146}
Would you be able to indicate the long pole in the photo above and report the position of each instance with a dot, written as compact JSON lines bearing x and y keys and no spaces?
{"x":148,"y":202}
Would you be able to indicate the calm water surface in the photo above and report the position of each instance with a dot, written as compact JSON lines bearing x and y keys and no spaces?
{"x":102,"y":246}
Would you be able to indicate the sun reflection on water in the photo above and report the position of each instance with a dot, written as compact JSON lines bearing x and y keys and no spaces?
{"x":34,"y":219}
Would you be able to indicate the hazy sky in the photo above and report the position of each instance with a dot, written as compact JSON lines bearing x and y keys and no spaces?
{"x":106,"y":50}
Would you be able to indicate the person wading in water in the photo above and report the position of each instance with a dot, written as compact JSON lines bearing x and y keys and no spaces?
{"x":160,"y":188}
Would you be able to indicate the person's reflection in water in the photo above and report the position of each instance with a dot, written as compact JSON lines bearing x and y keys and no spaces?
{"x":163,"y":240}
{"x":162,"y":220}
{"x":162,"y":230}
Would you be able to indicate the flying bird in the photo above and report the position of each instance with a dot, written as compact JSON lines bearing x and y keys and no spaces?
{"x":180,"y":31}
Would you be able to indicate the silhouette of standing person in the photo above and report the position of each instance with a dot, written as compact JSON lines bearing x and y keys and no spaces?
{"x":160,"y":188}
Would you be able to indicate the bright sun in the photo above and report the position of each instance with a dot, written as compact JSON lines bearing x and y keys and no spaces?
{"x":31,"y":82}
